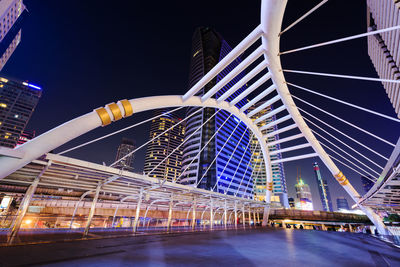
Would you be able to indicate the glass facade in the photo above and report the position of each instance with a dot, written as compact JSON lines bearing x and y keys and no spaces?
{"x":323,"y":189}
{"x":126,"y":147}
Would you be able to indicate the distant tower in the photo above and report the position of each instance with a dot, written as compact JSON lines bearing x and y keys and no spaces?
{"x":342,"y":204}
{"x":160,"y":148}
{"x":323,"y":189}
{"x":259,"y":173}
{"x":18,"y":100}
{"x":126,"y":147}
{"x":12,"y":15}
{"x":367,"y":184}
{"x":383,"y":48}
{"x":303,"y":195}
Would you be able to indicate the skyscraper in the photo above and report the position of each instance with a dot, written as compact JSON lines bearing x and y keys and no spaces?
{"x":303,"y":195}
{"x":323,"y":189}
{"x":126,"y":147}
{"x":156,"y":163}
{"x":17,"y":103}
{"x":259,"y":173}
{"x":232,"y":167}
{"x":12,"y":14}
{"x":367,"y":184}
{"x":25,"y":137}
{"x":383,"y":48}
{"x":342,"y":204}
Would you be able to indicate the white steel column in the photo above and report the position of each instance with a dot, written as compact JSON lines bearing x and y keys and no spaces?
{"x":254,"y":217}
{"x":249,"y":215}
{"x":236,"y":217}
{"x":92,"y":209}
{"x":24,"y":205}
{"x":137,"y":214}
{"x":265,"y":216}
{"x":171,"y":203}
{"x":244,"y":217}
{"x":225,"y":215}
{"x":258,"y":216}
{"x":194,"y":214}
{"x":211,"y":214}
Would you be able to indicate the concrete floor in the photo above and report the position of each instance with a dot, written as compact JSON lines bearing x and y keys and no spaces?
{"x":254,"y":247}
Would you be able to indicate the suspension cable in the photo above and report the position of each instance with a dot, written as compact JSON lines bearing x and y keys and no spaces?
{"x":116,"y":132}
{"x":342,"y":39}
{"x":251,"y":175}
{"x":349,"y":137}
{"x":344,"y":164}
{"x":346,"y":103}
{"x":186,"y":139}
{"x":173,"y":126}
{"x":212,"y":137}
{"x":344,"y":121}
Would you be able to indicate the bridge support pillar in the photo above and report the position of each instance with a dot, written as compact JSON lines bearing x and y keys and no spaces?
{"x":194,"y":214}
{"x":265,"y":216}
{"x":171,"y":203}
{"x":249,"y":216}
{"x":23,"y":207}
{"x":137,"y":214}
{"x":225,"y":215}
{"x":244,"y":217}
{"x":258,"y":216}
{"x":254,"y":217}
{"x":211,"y":214}
{"x":115,"y":214}
{"x":92,"y":209}
{"x":375,"y":219}
{"x":236,"y":217}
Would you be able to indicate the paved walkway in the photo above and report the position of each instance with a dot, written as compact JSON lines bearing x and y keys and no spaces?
{"x":254,"y":247}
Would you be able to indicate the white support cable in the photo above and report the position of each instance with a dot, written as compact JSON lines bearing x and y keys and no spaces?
{"x":215,"y":158}
{"x":244,"y":174}
{"x":250,"y":89}
{"x":342,"y":150}
{"x":231,"y":156}
{"x":349,"y":137}
{"x":304,"y":16}
{"x":343,"y":157}
{"x":233,"y":73}
{"x":116,"y":132}
{"x":266,"y":104}
{"x":343,"y":143}
{"x":286,"y":139}
{"x":251,"y":178}
{"x":240,"y":162}
{"x":243,"y":81}
{"x":257,"y":98}
{"x":354,"y":170}
{"x":304,"y":156}
{"x":342,"y":76}
{"x":233,"y":54}
{"x":341,"y":40}
{"x":173,"y":126}
{"x":346,"y":122}
{"x":346,"y":103}
{"x":270,"y":114}
{"x":275,"y":122}
{"x":280,"y":151}
{"x":206,"y":144}
{"x":184,"y":141}
{"x":281,"y":130}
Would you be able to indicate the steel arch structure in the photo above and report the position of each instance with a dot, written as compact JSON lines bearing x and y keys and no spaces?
{"x":272,"y":12}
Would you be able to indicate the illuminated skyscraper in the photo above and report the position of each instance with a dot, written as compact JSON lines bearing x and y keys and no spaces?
{"x":383,"y":48}
{"x":17,"y":103}
{"x":25,"y":137}
{"x":323,"y":189}
{"x":125,"y":148}
{"x":156,"y":163}
{"x":303,"y":195}
{"x":232,"y":167}
{"x":12,"y":14}
{"x":259,"y":174}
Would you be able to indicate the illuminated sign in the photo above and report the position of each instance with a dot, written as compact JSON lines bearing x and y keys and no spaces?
{"x":31,"y":85}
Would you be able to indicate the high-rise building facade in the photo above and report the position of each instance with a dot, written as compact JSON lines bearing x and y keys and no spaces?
{"x":323,"y":189}
{"x":303,"y":196}
{"x":25,"y":137}
{"x":342,"y":204}
{"x":164,"y":156}
{"x":383,"y":48}
{"x":367,"y":183}
{"x":18,"y":100}
{"x":12,"y":15}
{"x":124,"y":155}
{"x":216,"y":162}
{"x":259,"y":170}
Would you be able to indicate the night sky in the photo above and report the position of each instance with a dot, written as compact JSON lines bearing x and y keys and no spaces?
{"x":85,"y":54}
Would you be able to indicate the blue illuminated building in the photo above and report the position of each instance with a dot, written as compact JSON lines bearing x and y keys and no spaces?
{"x":323,"y":189}
{"x":17,"y":103}
{"x":223,"y":175}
